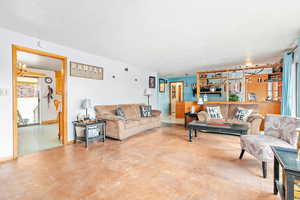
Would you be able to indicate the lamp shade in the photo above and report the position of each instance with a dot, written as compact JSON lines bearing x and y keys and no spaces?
{"x":200,"y":101}
{"x":147,"y":92}
{"x":86,"y":104}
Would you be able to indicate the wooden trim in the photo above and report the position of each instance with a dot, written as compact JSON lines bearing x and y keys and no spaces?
{"x":237,"y":69}
{"x":30,"y":74}
{"x":64,"y":134}
{"x":14,"y":94}
{"x":6,"y":159}
{"x":49,"y":122}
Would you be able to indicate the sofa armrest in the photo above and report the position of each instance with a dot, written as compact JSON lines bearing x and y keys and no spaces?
{"x":255,"y":122}
{"x":156,"y":112}
{"x":202,"y":116}
{"x":253,"y":117}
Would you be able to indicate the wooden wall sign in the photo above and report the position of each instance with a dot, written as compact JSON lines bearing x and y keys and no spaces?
{"x":86,"y":71}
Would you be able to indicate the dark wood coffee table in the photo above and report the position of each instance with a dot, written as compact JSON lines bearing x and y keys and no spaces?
{"x":211,"y":127}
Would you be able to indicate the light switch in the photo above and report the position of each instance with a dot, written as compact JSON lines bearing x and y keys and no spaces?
{"x":3,"y":91}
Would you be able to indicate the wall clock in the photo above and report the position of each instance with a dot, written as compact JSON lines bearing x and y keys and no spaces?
{"x":48,"y":80}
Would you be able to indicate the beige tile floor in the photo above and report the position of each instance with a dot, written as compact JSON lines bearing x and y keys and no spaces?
{"x":170,"y":119}
{"x":158,"y":165}
{"x":36,"y":138}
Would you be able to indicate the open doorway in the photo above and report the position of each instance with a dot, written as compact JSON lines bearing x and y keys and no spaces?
{"x":39,"y":101}
{"x":176,"y":95}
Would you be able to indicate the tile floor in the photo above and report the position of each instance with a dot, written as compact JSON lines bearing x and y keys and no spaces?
{"x":159,"y":164}
{"x":36,"y":138}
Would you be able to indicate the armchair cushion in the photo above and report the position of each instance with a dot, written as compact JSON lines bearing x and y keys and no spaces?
{"x":283,"y":127}
{"x":259,"y":146}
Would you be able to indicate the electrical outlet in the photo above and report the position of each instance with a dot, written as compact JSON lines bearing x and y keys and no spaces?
{"x":3,"y":91}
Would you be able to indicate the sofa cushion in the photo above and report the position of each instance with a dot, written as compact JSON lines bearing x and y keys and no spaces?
{"x":146,"y":111}
{"x":214,"y":112}
{"x":131,"y":123}
{"x":234,"y":121}
{"x":120,"y":113}
{"x":242,"y":114}
{"x":131,"y":111}
{"x":105,"y":109}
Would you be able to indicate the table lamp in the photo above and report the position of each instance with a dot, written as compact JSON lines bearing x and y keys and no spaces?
{"x":147,"y":93}
{"x":86,"y":104}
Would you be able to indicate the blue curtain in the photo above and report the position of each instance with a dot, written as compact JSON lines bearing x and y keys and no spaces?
{"x":286,"y":103}
{"x":298,"y":80}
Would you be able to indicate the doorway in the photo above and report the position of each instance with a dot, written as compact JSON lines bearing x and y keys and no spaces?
{"x":39,"y":100}
{"x":176,"y":95}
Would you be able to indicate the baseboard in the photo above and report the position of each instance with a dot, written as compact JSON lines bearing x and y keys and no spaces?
{"x":70,"y":142}
{"x":49,"y":122}
{"x":5,"y":159}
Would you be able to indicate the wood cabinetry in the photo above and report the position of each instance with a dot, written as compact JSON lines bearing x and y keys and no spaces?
{"x":184,"y":107}
{"x":258,"y":84}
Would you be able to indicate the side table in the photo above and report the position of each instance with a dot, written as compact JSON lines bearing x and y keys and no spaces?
{"x":92,"y":130}
{"x":187,"y":117}
{"x":289,"y":185}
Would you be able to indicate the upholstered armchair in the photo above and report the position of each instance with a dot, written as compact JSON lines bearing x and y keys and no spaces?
{"x":279,"y":131}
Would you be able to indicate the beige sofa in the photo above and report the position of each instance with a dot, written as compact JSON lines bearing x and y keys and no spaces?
{"x":228,"y":111}
{"x":120,"y":128}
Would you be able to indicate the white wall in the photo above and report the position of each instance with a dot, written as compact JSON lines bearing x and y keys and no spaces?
{"x":109,"y":91}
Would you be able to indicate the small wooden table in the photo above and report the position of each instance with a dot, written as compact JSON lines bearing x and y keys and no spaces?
{"x":289,"y":186}
{"x":93,"y":130}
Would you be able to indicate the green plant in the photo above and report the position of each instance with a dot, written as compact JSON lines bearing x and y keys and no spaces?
{"x":233,"y":97}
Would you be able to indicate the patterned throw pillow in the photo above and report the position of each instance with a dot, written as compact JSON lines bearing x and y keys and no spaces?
{"x":120,"y":113}
{"x":214,"y":112}
{"x":146,"y":111}
{"x":242,"y":114}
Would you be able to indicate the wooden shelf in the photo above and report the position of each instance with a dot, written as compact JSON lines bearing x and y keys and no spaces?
{"x":210,"y":92}
{"x":213,"y":78}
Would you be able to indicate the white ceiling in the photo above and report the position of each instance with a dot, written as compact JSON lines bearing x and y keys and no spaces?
{"x":167,"y":36}
{"x":38,"y":62}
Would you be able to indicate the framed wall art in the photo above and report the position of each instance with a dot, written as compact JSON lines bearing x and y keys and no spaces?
{"x":151,"y":81}
{"x":162,"y":85}
{"x":86,"y":71}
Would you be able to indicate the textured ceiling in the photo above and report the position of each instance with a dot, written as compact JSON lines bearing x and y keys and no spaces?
{"x":166,"y":36}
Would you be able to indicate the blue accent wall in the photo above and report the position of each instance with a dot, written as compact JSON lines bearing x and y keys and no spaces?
{"x":188,"y":93}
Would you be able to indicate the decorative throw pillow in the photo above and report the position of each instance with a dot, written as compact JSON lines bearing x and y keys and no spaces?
{"x":146,"y":111}
{"x":120,"y":112}
{"x":214,"y":112}
{"x":242,"y":114}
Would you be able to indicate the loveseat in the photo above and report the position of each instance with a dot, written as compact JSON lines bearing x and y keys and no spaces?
{"x":228,"y":111}
{"x":121,"y":128}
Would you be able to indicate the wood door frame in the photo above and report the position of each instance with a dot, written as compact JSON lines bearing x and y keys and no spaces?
{"x":64,"y":134}
{"x":170,"y":90}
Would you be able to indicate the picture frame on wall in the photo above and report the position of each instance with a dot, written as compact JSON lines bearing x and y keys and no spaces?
{"x":152,"y":82}
{"x":162,"y":85}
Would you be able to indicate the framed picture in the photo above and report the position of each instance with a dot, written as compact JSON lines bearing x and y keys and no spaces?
{"x":162,"y":84}
{"x":151,"y":81}
{"x":86,"y":71}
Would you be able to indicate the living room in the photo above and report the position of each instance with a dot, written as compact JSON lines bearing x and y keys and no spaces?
{"x":157,"y":85}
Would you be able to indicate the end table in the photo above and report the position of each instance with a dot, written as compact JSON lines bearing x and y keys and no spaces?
{"x":92,"y":130}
